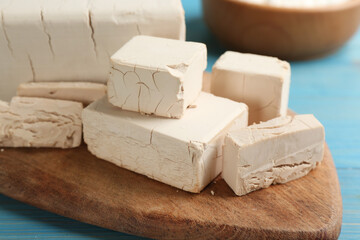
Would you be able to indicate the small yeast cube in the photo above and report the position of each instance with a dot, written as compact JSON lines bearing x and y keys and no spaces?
{"x":185,"y":153}
{"x":156,"y":75}
{"x":261,"y":82}
{"x":277,"y":151}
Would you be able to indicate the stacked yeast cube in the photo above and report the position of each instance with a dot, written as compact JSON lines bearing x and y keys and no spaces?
{"x":155,"y":120}
{"x":277,"y":148}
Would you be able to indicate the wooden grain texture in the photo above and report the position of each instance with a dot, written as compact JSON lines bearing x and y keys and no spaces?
{"x":75,"y":184}
{"x":288,"y":33}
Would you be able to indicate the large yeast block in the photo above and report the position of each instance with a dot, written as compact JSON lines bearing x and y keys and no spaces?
{"x":185,"y":153}
{"x":277,"y":151}
{"x":40,"y":122}
{"x":84,"y":92}
{"x":72,"y":40}
{"x":157,"y":75}
{"x":261,"y":82}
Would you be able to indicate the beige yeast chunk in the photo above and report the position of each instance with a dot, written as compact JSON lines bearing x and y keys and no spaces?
{"x":277,"y":151}
{"x":185,"y":153}
{"x":40,"y":122}
{"x":157,"y":76}
{"x":261,"y":82}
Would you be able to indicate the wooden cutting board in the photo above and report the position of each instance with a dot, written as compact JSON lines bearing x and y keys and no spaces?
{"x":76,"y":184}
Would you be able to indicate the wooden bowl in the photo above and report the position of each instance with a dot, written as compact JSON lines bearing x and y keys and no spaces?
{"x":288,"y":33}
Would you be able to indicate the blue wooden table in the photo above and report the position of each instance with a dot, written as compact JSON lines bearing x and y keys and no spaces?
{"x":328,"y":88}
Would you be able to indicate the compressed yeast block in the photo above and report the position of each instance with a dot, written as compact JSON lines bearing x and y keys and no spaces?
{"x":40,"y":122}
{"x":277,"y":151}
{"x":84,"y":92}
{"x":65,"y":40}
{"x":185,"y":153}
{"x":259,"y":81}
{"x":157,"y":76}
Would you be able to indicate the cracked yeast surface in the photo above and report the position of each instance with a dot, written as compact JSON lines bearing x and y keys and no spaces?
{"x":146,"y":91}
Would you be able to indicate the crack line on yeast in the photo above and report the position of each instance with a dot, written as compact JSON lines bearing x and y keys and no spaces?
{"x":138,"y":29}
{"x":304,"y":123}
{"x":276,"y":126}
{"x":59,"y":116}
{"x":293,"y":164}
{"x":178,"y":101}
{"x":123,"y":79}
{"x":269,"y":103}
{"x":265,"y":106}
{"x":151,"y":135}
{"x":158,"y":104}
{"x":5,"y":34}
{"x":143,"y":84}
{"x":125,"y":101}
{"x":307,"y":148}
{"x":115,"y":90}
{"x":153,"y":78}
{"x":92,"y":32}
{"x":32,"y":68}
{"x":139,"y":81}
{"x":46,"y":32}
{"x":162,"y":95}
{"x":118,"y":70}
{"x":139,"y":99}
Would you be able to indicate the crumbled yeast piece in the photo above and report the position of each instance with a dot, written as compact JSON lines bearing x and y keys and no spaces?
{"x":40,"y":122}
{"x":277,"y":151}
